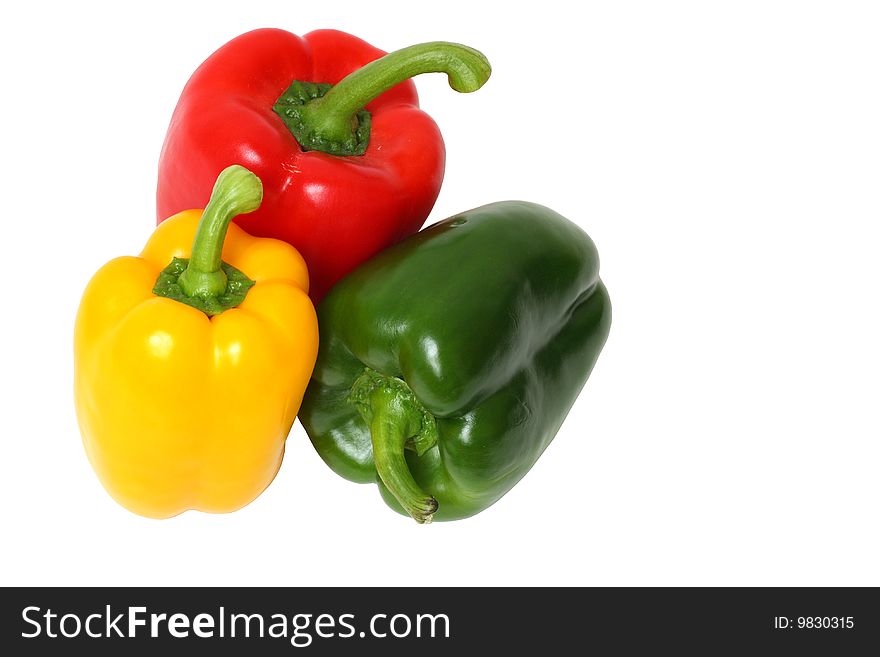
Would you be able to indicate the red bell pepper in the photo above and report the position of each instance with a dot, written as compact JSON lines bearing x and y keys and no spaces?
{"x":349,"y":163}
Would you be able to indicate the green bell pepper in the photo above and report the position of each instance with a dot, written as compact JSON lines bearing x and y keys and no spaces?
{"x":448,"y":362}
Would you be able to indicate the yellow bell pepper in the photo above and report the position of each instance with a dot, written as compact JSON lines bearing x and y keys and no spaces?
{"x":188,"y":375}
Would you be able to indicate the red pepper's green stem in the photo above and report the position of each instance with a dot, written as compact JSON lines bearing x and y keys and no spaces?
{"x":237,"y":191}
{"x":394,"y":422}
{"x":332,"y":116}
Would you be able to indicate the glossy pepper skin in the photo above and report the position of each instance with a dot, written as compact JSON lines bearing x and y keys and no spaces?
{"x":178,"y":408}
{"x":448,"y":363}
{"x":337,"y":205}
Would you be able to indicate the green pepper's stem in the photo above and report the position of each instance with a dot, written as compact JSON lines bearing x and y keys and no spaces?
{"x":332,"y":116}
{"x":237,"y":191}
{"x":394,"y":422}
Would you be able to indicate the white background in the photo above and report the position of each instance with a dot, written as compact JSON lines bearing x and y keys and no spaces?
{"x":725,"y":157}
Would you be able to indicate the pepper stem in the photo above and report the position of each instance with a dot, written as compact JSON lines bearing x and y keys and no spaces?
{"x":237,"y":191}
{"x":332,"y":119}
{"x":397,"y":422}
{"x":331,"y":115}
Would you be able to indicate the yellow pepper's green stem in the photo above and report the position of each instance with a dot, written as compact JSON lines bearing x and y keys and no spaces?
{"x":237,"y":191}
